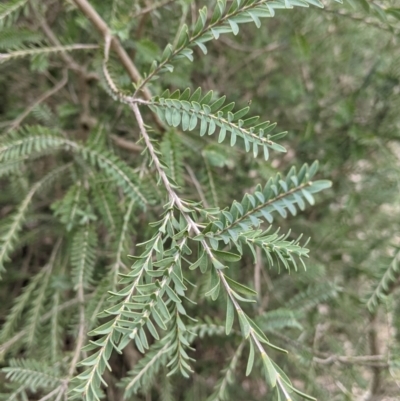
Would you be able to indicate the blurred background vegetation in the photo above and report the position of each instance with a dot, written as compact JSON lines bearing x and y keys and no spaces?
{"x":331,"y":78}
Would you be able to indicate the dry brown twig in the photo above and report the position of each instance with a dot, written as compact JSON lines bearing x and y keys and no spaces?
{"x":151,"y":8}
{"x":88,"y":10}
{"x":126,"y":144}
{"x":17,"y":122}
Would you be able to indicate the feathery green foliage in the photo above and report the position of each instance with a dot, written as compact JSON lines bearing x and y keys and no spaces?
{"x":188,"y":110}
{"x":32,"y":373}
{"x":143,"y":240}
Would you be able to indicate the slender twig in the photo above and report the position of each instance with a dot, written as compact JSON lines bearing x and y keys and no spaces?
{"x":63,"y":391}
{"x":211,"y":181}
{"x":374,"y":349}
{"x":42,"y":50}
{"x":72,"y":302}
{"x":367,"y":360}
{"x":343,"y":389}
{"x":363,"y":20}
{"x":181,"y":22}
{"x":16,"y":123}
{"x":64,"y":55}
{"x":175,"y":200}
{"x":81,"y":331}
{"x":58,"y":389}
{"x":172,"y":195}
{"x":115,"y":44}
{"x":248,"y":49}
{"x":103,"y":28}
{"x":125,"y":144}
{"x":257,"y":277}
{"x":248,"y":59}
{"x":325,"y":359}
{"x":152,"y":8}
{"x":197,"y":185}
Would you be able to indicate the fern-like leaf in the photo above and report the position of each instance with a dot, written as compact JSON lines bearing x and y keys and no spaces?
{"x":105,"y":200}
{"x":38,"y":140}
{"x":278,"y":195}
{"x":83,"y":256}
{"x":121,"y":246}
{"x":12,"y":226}
{"x":179,"y":338}
{"x":16,"y":393}
{"x":387,"y":277}
{"x":32,"y":373}
{"x":278,"y":319}
{"x":206,"y":328}
{"x":228,"y":376}
{"x":12,"y":37}
{"x":191,"y":110}
{"x":36,"y":309}
{"x":313,"y":296}
{"x":9,"y":11}
{"x":20,"y":305}
{"x":119,"y":171}
{"x":223,"y":20}
{"x":146,"y":370}
{"x":30,"y":52}
{"x":67,"y":209}
{"x":172,"y":152}
{"x":137,"y":305}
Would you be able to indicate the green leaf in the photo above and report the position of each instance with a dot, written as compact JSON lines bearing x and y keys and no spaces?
{"x":103,"y":329}
{"x":270,"y":372}
{"x":207,"y":97}
{"x":172,"y":295}
{"x":316,"y":3}
{"x":242,"y":289}
{"x":217,"y":104}
{"x":217,"y":264}
{"x":364,"y":4}
{"x":183,"y":37}
{"x":319,"y":185}
{"x":227,"y":256}
{"x":196,"y":95}
{"x":230,"y":316}
{"x":244,"y":324}
{"x":234,"y":26}
{"x":303,"y":395}
{"x":241,"y":113}
{"x":203,"y":262}
{"x":395,"y":12}
{"x":167,"y":52}
{"x":277,"y":147}
{"x":250,"y":361}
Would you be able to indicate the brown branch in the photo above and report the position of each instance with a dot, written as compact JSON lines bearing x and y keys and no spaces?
{"x":127,"y":63}
{"x":197,"y":185}
{"x":64,"y":55}
{"x":323,"y":358}
{"x":257,"y":278}
{"x":363,"y":20}
{"x":374,"y":349}
{"x":152,"y":8}
{"x":375,"y":361}
{"x":81,"y":331}
{"x":5,"y":346}
{"x":103,"y":28}
{"x":125,"y":144}
{"x":248,"y":59}
{"x":16,"y":123}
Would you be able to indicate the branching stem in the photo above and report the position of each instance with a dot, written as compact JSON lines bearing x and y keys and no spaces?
{"x":17,"y":122}
{"x":174,"y":198}
{"x":88,"y":10}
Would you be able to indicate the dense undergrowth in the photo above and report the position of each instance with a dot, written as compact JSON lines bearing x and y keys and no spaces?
{"x":156,"y":222}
